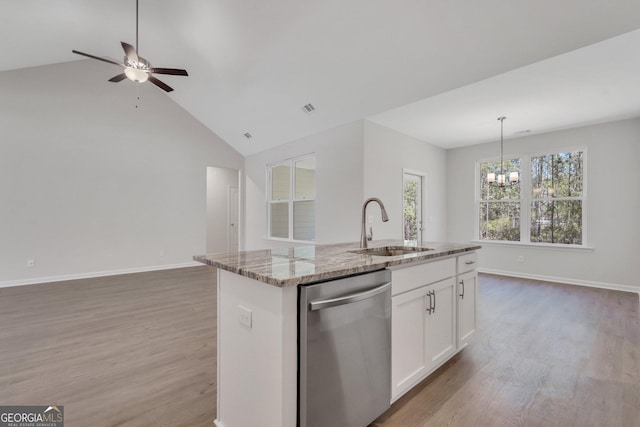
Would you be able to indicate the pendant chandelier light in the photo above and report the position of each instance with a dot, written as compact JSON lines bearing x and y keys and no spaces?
{"x":513,"y":176}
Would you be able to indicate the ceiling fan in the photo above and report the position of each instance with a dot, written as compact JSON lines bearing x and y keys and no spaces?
{"x":137,"y":68}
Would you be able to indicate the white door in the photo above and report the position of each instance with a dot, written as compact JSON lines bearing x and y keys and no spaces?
{"x":441,"y":322}
{"x":408,"y":358}
{"x":232,"y":216}
{"x":467,"y":294}
{"x":412,"y":207}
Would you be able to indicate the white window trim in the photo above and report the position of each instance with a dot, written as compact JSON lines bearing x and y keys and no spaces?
{"x":526,"y":199}
{"x":291,"y":163}
{"x":544,"y":246}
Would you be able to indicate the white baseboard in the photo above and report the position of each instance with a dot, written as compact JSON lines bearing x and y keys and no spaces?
{"x":37,"y":280}
{"x":217,"y":423}
{"x":565,"y":280}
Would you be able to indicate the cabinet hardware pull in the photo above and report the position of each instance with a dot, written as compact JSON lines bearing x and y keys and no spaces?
{"x":434,"y":301}
{"x":430,"y":303}
{"x":470,"y":262}
{"x":462,"y":283}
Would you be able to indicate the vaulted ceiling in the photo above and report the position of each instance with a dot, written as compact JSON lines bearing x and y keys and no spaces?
{"x":439,"y":70}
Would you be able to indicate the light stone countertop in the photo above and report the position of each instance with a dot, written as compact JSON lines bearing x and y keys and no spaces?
{"x":305,"y":264}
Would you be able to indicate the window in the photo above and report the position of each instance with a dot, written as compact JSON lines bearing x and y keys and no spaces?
{"x":499,"y":206}
{"x":412,"y":184}
{"x":291,"y":199}
{"x":545,"y":206}
{"x":556,"y":198}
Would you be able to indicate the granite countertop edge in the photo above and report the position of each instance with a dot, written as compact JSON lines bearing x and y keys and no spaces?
{"x":331,"y":261}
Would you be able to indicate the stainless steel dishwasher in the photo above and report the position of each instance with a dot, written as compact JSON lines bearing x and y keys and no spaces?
{"x":344,"y":351}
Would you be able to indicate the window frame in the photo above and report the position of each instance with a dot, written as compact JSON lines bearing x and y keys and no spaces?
{"x":479,"y":199}
{"x":290,"y":201}
{"x":526,"y":199}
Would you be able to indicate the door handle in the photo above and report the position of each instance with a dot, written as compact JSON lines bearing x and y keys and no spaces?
{"x":430,"y":303}
{"x":462,"y":283}
{"x":470,"y":262}
{"x":348,"y":299}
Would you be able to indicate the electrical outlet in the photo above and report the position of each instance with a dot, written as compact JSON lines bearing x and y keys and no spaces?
{"x":31,"y":263}
{"x":520,"y":258}
{"x":244,"y":316}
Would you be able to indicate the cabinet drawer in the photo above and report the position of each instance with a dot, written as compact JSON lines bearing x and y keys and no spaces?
{"x":408,"y":278}
{"x":467,"y":262}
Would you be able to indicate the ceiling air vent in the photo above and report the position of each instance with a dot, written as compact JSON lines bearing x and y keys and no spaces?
{"x":248,"y":135}
{"x":308,"y":108}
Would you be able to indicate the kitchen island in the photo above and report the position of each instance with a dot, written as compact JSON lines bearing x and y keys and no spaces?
{"x":257,"y":318}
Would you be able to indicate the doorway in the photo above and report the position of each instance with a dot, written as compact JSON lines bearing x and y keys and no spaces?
{"x":412,"y":206}
{"x":223,"y":206}
{"x":232,"y":218}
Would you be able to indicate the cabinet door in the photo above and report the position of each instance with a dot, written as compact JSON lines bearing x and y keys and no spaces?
{"x":408,"y":359}
{"x":467,"y":294}
{"x":441,"y":322}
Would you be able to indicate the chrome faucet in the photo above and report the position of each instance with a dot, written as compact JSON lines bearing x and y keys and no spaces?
{"x":385,"y":218}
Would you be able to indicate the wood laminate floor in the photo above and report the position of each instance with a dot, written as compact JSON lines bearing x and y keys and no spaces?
{"x":544,"y":355}
{"x":139,"y":350}
{"x":130,"y":350}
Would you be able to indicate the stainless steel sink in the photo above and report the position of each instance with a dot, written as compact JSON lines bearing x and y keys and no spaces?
{"x":391,"y":250}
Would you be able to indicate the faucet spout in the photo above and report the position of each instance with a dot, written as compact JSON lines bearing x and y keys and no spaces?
{"x":385,"y":218}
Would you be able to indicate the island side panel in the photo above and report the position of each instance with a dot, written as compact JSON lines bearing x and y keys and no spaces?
{"x":257,"y":366}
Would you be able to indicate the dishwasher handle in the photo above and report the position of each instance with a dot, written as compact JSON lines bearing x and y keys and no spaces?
{"x":348,"y":299}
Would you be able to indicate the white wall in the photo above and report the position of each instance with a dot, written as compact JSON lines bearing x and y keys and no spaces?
{"x":339,"y":187}
{"x":218,"y":182}
{"x":90,"y":183}
{"x":386,"y":154}
{"x":613,"y":207}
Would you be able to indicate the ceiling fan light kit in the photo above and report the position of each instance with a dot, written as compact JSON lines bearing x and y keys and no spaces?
{"x":136,"y":75}
{"x":136,"y":68}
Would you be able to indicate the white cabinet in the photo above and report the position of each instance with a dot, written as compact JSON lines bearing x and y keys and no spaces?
{"x":404,"y":279}
{"x":441,"y":323}
{"x":467,"y":284}
{"x":423,"y":322}
{"x":466,"y":262}
{"x":423,"y":333}
{"x":433,"y":313}
{"x":467,"y":296}
{"x":408,"y":340}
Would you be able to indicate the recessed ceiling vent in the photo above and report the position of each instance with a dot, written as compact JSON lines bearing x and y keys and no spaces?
{"x":308,"y":108}
{"x":248,"y":135}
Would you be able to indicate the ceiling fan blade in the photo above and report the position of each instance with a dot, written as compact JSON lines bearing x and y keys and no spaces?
{"x":97,"y":57}
{"x":160,"y":84}
{"x":118,"y":78}
{"x":130,"y":51}
{"x":172,"y":71}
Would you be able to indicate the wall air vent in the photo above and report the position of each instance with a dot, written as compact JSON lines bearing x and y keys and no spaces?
{"x":308,"y":108}
{"x":248,"y":135}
